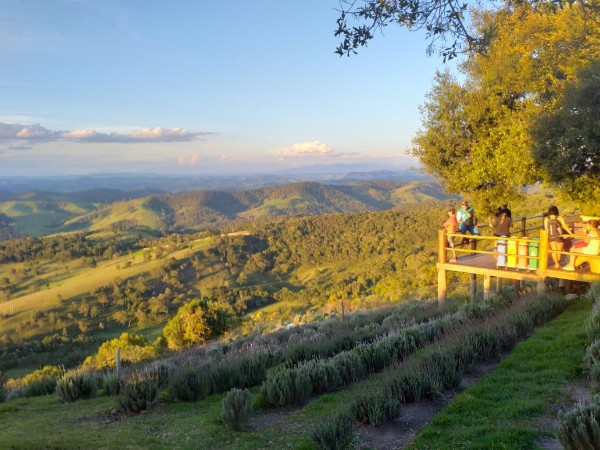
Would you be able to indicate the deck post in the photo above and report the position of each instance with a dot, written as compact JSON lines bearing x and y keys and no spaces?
{"x":487,"y":284}
{"x":498,"y":285}
{"x":523,"y":226}
{"x":540,"y":287}
{"x":473,"y":287}
{"x":442,"y":257}
{"x":442,"y":287}
{"x":543,"y":254}
{"x":517,"y":284}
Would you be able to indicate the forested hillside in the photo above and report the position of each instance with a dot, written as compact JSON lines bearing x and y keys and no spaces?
{"x":42,"y":213}
{"x":61,"y":296}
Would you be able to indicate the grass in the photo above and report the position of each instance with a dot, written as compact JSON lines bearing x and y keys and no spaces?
{"x":504,"y":409}
{"x":44,"y":423}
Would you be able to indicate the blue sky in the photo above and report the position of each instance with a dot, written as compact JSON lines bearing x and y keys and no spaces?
{"x":196,"y":87}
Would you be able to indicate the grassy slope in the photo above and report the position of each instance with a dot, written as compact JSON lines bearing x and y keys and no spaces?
{"x":484,"y":416}
{"x":503,"y":409}
{"x":79,"y":280}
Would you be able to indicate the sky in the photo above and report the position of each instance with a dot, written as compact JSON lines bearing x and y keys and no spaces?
{"x":201,"y":87}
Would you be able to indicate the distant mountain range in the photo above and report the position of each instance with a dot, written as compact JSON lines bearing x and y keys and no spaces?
{"x":155,"y":183}
{"x":39,"y":213}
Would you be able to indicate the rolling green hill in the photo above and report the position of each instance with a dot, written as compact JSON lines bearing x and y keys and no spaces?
{"x":45,"y":213}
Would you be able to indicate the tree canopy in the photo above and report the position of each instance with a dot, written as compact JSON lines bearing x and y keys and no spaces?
{"x":448,"y":23}
{"x":523,"y":112}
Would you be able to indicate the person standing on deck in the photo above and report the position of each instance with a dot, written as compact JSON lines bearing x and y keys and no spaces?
{"x":467,"y":221}
{"x":501,"y":224}
{"x":555,"y":226}
{"x":451,"y":226}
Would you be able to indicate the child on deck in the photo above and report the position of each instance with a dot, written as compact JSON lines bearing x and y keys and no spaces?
{"x":592,"y":247}
{"x":451,"y":226}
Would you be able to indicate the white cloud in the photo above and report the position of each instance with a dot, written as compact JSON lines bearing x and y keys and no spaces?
{"x":32,"y":133}
{"x":314,"y":148}
{"x":183,"y":161}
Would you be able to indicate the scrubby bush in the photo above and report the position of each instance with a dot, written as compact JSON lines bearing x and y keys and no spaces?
{"x":189,"y":385}
{"x":323,"y":376}
{"x":409,"y":386}
{"x":2,"y":388}
{"x":442,"y":369}
{"x":226,"y":376}
{"x":111,"y":385}
{"x":236,"y":408}
{"x":134,"y":348}
{"x":285,"y":386}
{"x":375,"y":356}
{"x":334,"y":433}
{"x":349,"y":367}
{"x":278,"y":387}
{"x":38,"y":383}
{"x":160,"y":371}
{"x":73,"y":387}
{"x":580,"y":429}
{"x":254,"y":366}
{"x":138,"y":393}
{"x":592,"y":325}
{"x":375,"y":408}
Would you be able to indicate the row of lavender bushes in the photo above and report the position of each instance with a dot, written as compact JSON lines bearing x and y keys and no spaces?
{"x":288,"y":385}
{"x":438,"y":367}
{"x":198,"y":373}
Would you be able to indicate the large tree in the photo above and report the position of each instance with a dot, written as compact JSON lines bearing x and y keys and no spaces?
{"x":447,"y":23}
{"x":567,"y":141}
{"x":478,"y":129}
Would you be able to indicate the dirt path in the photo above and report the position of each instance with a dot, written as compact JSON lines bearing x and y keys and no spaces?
{"x":400,"y":432}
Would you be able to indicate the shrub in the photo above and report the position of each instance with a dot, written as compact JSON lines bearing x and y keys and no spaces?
{"x":40,"y":382}
{"x":226,"y":376}
{"x":375,"y":356}
{"x":349,"y":367}
{"x":323,"y":376}
{"x":593,"y":293}
{"x":138,"y":393}
{"x":278,"y":388}
{"x":160,"y":371}
{"x":410,"y":386}
{"x":334,"y":433}
{"x":72,"y":387}
{"x":375,"y":408}
{"x":2,"y":388}
{"x":236,"y":408}
{"x":442,"y":370}
{"x":579,"y":429}
{"x":189,"y":385}
{"x":111,"y":385}
{"x":254,"y":367}
{"x":134,"y":348}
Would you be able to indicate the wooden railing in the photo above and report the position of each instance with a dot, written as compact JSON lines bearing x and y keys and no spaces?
{"x":477,"y":245}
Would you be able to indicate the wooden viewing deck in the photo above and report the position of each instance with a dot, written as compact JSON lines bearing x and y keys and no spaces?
{"x":526,"y":266}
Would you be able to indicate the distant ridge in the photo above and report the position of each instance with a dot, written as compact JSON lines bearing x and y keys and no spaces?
{"x":157,"y":183}
{"x":41,"y":213}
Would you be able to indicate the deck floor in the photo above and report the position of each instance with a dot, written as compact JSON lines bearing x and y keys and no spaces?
{"x":483,"y":264}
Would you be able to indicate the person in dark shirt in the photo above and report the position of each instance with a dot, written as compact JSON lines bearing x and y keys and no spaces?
{"x":501,"y":224}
